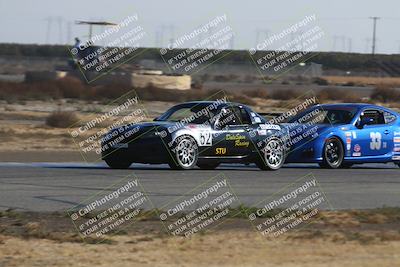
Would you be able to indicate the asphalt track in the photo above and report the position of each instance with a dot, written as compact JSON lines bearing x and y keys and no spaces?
{"x":61,"y":186}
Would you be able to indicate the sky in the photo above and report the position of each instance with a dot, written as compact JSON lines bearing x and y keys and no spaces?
{"x":345,"y":23}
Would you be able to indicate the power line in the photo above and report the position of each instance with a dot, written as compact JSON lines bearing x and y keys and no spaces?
{"x":374,"y":34}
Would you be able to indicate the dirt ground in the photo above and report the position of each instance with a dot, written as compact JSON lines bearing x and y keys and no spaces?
{"x":345,"y":238}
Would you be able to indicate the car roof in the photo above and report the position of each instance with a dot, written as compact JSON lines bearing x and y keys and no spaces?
{"x":358,"y":106}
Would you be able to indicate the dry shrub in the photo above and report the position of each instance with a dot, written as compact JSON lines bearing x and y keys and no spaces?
{"x":337,"y":95}
{"x":385,"y":93}
{"x":62,"y":119}
{"x":241,"y":98}
{"x":285,"y":94}
{"x":320,"y":81}
{"x":71,"y":87}
{"x":260,"y":93}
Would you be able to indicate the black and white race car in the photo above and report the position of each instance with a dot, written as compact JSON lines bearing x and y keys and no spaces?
{"x":201,"y":133}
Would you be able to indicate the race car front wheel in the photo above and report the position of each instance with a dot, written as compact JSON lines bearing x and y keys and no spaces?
{"x":333,"y":154}
{"x":273,"y":155}
{"x":185,"y":153}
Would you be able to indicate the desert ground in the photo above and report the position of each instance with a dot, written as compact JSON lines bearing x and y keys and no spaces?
{"x":345,"y":238}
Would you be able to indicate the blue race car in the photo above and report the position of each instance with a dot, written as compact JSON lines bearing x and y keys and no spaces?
{"x":340,"y":135}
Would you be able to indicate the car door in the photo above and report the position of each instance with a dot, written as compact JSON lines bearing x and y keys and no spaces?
{"x":376,"y":137}
{"x":233,"y":136}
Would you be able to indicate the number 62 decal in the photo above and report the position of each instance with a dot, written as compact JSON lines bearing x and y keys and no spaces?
{"x":205,"y":139}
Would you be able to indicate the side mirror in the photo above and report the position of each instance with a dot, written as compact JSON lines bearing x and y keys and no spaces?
{"x":364,"y":121}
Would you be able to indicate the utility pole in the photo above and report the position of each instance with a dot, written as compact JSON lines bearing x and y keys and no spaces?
{"x":374,"y":34}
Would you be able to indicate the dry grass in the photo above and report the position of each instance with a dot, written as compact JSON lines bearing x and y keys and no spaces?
{"x":385,"y":93}
{"x":362,"y":80}
{"x":341,"y":95}
{"x":62,"y":119}
{"x":287,"y":94}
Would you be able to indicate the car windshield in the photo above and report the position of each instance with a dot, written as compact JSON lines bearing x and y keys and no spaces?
{"x":188,"y":113}
{"x":325,"y":115}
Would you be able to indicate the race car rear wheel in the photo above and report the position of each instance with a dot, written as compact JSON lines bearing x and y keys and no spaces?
{"x":208,"y":166}
{"x":333,"y":154}
{"x":185,"y":153}
{"x":118,"y":163}
{"x":273,"y":155}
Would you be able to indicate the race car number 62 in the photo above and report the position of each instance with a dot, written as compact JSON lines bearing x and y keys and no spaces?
{"x":205,"y":139}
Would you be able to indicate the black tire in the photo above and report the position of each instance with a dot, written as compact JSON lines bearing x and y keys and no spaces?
{"x":208,"y":166}
{"x":273,"y":155}
{"x":117,"y":163}
{"x":185,"y":153}
{"x":333,"y":154}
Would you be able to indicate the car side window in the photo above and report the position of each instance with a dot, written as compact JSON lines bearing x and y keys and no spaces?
{"x":374,"y":116}
{"x":244,"y":116}
{"x":389,"y":117}
{"x":233,"y":116}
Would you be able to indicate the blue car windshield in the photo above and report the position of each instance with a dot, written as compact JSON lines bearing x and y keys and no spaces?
{"x":325,"y":115}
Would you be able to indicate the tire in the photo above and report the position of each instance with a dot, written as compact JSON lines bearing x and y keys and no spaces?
{"x":185,"y":153}
{"x":118,"y":164}
{"x":273,"y":155}
{"x":333,"y":154}
{"x":207,"y":166}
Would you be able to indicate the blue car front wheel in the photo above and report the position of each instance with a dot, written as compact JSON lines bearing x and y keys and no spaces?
{"x":333,"y":154}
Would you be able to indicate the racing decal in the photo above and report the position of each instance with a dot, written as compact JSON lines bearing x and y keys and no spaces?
{"x":357,"y":150}
{"x":270,"y":127}
{"x":262,"y":132}
{"x":206,"y":138}
{"x":233,"y":137}
{"x":240,"y":140}
{"x":396,"y":158}
{"x":257,"y":120}
{"x":220,"y":151}
{"x":396,"y":133}
{"x":348,"y":143}
{"x":396,"y":139}
{"x":376,"y":140}
{"x":348,"y":134}
{"x":396,"y":148}
{"x":354,"y":134}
